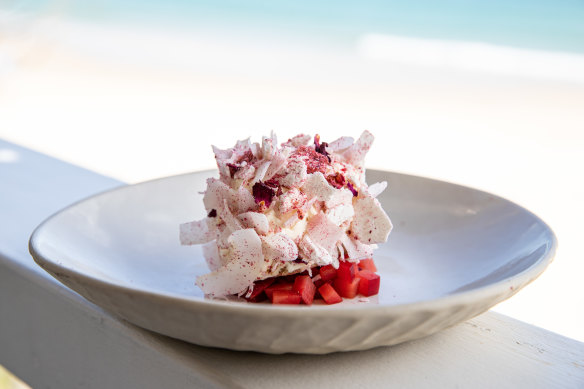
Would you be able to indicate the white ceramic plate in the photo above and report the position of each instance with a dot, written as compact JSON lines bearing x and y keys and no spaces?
{"x":454,"y":253}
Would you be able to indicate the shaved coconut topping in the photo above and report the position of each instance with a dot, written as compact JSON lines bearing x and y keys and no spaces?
{"x":344,"y":142}
{"x":295,"y":174}
{"x":317,"y":186}
{"x":299,"y":140}
{"x":294,"y":199}
{"x":370,"y":224}
{"x":279,"y":247}
{"x":243,"y":268}
{"x":281,"y":209}
{"x":356,"y":250}
{"x":230,"y":221}
{"x":323,"y":231}
{"x":257,"y":221}
{"x":377,"y":188}
{"x":316,"y":253}
{"x":278,"y":162}
{"x":196,"y":232}
{"x":261,"y":172}
{"x":212,"y":257}
{"x":356,"y":153}
{"x":340,"y":214}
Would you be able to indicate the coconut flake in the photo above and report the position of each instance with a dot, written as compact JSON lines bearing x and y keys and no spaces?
{"x":298,"y":140}
{"x":241,"y":271}
{"x":268,"y":148}
{"x":339,"y":197}
{"x":279,"y":161}
{"x":323,"y":232}
{"x":356,"y":153}
{"x":375,"y":190}
{"x":317,"y":186}
{"x":341,"y":249}
{"x":222,"y":155}
{"x":279,"y":247}
{"x":212,"y":257}
{"x":257,"y":221}
{"x":356,"y":250}
{"x":344,"y":142}
{"x":295,"y":174}
{"x":231,"y":221}
{"x":313,"y":252}
{"x":261,"y":172}
{"x":196,"y":232}
{"x":370,"y":224}
{"x":291,"y":200}
{"x":241,"y":200}
{"x":244,"y":172}
{"x":255,"y":149}
{"x":340,"y":213}
{"x":215,"y":193}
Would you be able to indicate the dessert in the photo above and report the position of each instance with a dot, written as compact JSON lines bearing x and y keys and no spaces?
{"x":290,"y":221}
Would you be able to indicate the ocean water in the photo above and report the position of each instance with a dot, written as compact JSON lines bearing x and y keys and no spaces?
{"x":548,"y":25}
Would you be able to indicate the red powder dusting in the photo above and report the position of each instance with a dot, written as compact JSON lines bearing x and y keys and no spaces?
{"x":315,"y":162}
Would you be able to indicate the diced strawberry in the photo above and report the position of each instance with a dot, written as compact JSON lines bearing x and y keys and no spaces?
{"x":369,"y":284}
{"x":347,"y":288}
{"x":304,"y":286}
{"x":327,"y":273}
{"x":286,"y":297}
{"x":347,"y":271}
{"x":367,"y":264}
{"x":318,"y":283}
{"x":274,"y":287}
{"x":257,"y":294}
{"x":329,"y":295}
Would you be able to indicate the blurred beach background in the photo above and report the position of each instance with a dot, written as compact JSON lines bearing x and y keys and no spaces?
{"x":484,"y":94}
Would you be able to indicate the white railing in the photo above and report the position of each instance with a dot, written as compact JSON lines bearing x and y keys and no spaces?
{"x":52,"y":337}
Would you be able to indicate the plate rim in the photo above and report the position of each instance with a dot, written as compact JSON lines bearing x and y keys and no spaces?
{"x":515,"y":282}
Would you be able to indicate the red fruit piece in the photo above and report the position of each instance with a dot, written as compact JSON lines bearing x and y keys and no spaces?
{"x":329,"y":295}
{"x":347,"y":271}
{"x":318,"y":283}
{"x":257,"y":294}
{"x":367,"y":264}
{"x":274,"y":287}
{"x":289,"y":279}
{"x":369,"y":284}
{"x":285,"y":297}
{"x":327,"y":273}
{"x":347,"y":288}
{"x":304,"y":286}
